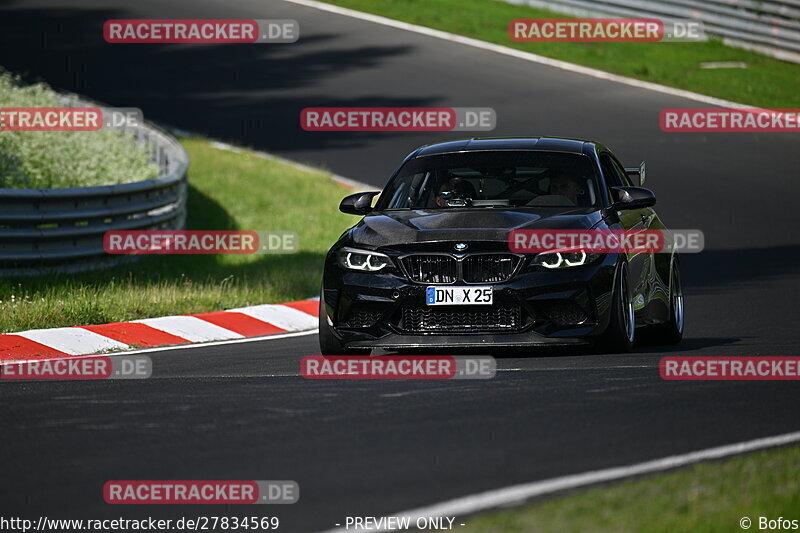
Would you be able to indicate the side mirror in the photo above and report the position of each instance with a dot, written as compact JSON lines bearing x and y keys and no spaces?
{"x":638,"y":174}
{"x":631,"y":198}
{"x":359,"y":203}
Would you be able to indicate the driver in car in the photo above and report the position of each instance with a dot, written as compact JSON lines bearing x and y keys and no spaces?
{"x":567,"y":187}
{"x":454,"y":188}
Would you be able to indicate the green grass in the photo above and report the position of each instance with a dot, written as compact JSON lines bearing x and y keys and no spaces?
{"x":766,"y":82}
{"x":706,"y":498}
{"x":56,"y":159}
{"x":227,"y":191}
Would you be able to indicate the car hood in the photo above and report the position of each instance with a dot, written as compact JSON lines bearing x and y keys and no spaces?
{"x":389,"y":228}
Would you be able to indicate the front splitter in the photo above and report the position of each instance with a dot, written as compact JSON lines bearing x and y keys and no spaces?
{"x":499,"y":340}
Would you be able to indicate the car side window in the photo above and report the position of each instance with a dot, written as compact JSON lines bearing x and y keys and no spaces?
{"x":619,"y":170}
{"x":626,"y":180}
{"x":614,"y":173}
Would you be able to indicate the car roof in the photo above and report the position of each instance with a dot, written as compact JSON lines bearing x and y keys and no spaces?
{"x":547,"y":144}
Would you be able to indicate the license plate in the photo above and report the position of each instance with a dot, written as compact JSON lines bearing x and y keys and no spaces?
{"x":458,"y":296}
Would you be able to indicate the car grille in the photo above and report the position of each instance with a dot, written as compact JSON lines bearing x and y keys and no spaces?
{"x":431,"y":268}
{"x":477,"y":268}
{"x":488,"y":268}
{"x":417,"y":320}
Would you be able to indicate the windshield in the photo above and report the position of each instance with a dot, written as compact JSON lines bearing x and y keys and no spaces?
{"x":493,"y":179}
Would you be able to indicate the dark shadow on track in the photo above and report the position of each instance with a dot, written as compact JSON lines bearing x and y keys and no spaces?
{"x":248,"y":93}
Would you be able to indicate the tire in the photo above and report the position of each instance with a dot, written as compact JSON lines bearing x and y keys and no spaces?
{"x":329,"y":344}
{"x":620,"y":334}
{"x":671,"y":331}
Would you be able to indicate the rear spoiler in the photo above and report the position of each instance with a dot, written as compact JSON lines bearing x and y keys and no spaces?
{"x":637,"y":172}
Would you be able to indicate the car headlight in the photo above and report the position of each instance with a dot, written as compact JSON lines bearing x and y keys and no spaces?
{"x":364,"y":260}
{"x":554,"y":260}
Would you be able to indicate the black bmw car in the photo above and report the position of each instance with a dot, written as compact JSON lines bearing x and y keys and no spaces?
{"x":429,"y":264}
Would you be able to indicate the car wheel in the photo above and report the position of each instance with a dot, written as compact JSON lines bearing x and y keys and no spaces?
{"x":621,"y":331}
{"x":671,"y":331}
{"x":329,"y":344}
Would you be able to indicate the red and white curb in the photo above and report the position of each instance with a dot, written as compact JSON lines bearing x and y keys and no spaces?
{"x":240,"y":323}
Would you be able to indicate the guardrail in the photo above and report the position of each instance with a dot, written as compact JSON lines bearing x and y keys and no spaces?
{"x":770,"y":27}
{"x":61,"y":230}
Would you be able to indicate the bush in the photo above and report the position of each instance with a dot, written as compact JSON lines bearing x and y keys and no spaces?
{"x":34,"y":159}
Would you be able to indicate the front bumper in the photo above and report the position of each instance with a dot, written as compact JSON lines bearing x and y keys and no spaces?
{"x":539,"y":308}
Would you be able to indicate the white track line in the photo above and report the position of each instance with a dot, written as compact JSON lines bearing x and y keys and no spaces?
{"x":72,"y":341}
{"x":518,"y":494}
{"x":527,"y":56}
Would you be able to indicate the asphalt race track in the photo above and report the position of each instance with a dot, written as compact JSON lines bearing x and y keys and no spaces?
{"x":240,"y":411}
